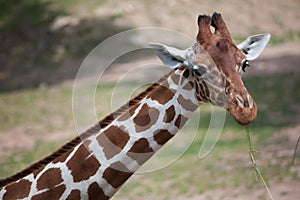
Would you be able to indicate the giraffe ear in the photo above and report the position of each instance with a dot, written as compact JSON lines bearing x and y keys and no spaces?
{"x":254,"y":45}
{"x":170,"y":56}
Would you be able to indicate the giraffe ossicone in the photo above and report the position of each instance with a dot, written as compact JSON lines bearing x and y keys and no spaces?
{"x":96,"y":164}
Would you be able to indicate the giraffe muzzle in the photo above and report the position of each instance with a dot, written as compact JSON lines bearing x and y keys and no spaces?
{"x":243,"y":109}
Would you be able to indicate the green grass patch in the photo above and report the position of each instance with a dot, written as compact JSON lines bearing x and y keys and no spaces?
{"x":34,"y":106}
{"x":21,"y":160}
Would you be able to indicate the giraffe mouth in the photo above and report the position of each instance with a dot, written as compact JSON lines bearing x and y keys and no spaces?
{"x":243,"y":113}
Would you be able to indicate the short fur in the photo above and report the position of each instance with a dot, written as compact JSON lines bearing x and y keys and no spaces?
{"x":70,"y":145}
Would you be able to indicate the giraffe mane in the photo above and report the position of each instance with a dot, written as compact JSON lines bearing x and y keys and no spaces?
{"x":94,"y":129}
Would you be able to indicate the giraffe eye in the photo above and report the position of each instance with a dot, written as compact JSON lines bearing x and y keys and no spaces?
{"x":199,"y":69}
{"x":245,"y":65}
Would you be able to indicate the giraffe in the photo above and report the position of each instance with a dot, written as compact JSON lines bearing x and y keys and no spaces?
{"x":97,"y":163}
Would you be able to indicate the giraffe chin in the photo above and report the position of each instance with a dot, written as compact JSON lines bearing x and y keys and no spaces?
{"x":245,"y":115}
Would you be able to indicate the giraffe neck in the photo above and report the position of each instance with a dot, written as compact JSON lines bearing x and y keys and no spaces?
{"x":102,"y":162}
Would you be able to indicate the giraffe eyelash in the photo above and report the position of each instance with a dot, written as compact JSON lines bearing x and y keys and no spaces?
{"x":245,"y":65}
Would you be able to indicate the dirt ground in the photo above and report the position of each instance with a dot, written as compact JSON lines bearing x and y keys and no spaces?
{"x":285,"y":189}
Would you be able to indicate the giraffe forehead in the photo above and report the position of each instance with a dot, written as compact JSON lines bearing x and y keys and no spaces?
{"x":226,"y":51}
{"x":227,"y":64}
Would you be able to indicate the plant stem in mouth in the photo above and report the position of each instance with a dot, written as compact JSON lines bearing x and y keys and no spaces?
{"x":257,"y":172}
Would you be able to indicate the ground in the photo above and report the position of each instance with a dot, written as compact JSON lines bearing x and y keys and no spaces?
{"x":44,"y":78}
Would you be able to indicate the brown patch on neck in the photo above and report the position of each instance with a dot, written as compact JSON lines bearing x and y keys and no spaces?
{"x":170,"y":114}
{"x":54,"y":193}
{"x":146,"y":118}
{"x":95,"y":129}
{"x":162,"y":94}
{"x":141,"y":146}
{"x":17,"y":190}
{"x":116,"y":174}
{"x":141,"y":151}
{"x":180,"y":121}
{"x":83,"y":165}
{"x":75,"y":194}
{"x":113,"y":141}
{"x":49,"y":179}
{"x":186,"y":103}
{"x":161,"y":136}
{"x":96,"y":193}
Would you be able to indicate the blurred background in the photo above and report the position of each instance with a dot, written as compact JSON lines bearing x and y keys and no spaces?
{"x":43,"y":43}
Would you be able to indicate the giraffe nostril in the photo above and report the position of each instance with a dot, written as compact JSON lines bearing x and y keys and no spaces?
{"x":240,"y":101}
{"x":246,"y":104}
{"x":250,"y":101}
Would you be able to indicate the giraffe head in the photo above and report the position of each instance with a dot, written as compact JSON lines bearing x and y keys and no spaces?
{"x":217,"y":64}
